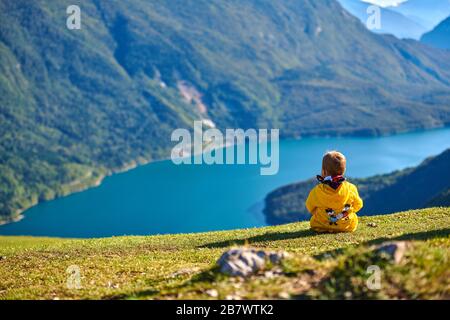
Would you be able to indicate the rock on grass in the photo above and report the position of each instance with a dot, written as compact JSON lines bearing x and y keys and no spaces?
{"x":243,"y":262}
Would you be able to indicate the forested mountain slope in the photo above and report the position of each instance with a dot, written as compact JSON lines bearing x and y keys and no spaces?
{"x":77,"y":104}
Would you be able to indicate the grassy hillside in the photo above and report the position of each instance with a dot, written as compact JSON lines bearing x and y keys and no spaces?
{"x":426,"y":185}
{"x":183,"y":266}
{"x":78,"y":104}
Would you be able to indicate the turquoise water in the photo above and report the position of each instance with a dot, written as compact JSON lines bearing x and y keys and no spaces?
{"x":163,"y":198}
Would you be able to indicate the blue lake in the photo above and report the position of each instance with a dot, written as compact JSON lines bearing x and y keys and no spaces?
{"x":162,"y":197}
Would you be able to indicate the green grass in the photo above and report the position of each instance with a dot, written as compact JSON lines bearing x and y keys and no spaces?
{"x":183,"y":266}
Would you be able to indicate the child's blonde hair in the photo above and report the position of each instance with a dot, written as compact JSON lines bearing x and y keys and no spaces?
{"x":334,"y":163}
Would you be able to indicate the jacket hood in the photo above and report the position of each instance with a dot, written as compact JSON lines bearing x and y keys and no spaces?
{"x":332,"y":181}
{"x":335,"y":197}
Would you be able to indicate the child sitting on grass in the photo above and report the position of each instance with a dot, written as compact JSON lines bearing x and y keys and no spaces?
{"x":334,"y":202}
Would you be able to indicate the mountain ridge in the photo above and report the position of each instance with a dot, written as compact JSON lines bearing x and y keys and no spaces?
{"x":392,"y":21}
{"x":439,"y":37}
{"x":426,"y":12}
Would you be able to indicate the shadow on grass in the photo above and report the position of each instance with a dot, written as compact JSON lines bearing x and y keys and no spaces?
{"x":132,"y":295}
{"x":205,"y":277}
{"x":425,"y":235}
{"x":278,"y":236}
{"x":275,"y":236}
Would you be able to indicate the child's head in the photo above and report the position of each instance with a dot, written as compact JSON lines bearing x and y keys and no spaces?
{"x":333,"y":164}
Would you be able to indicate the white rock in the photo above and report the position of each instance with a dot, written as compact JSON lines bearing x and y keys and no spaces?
{"x":284,"y":295}
{"x":212,"y":293}
{"x":244,"y":262}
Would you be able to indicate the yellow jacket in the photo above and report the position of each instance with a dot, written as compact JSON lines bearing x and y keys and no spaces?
{"x":323,"y":198}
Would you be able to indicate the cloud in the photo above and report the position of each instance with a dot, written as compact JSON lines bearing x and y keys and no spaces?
{"x":385,"y":3}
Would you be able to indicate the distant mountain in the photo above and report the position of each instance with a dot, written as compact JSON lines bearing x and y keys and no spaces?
{"x":78,"y":104}
{"x":392,"y":22}
{"x":439,"y":37}
{"x":408,"y":19}
{"x":425,"y":12}
{"x":426,"y":185}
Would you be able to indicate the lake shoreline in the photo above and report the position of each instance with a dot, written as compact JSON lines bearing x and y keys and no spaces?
{"x":18,"y":215}
{"x":104,"y":173}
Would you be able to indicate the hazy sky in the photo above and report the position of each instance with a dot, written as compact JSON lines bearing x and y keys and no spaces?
{"x":385,"y":3}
